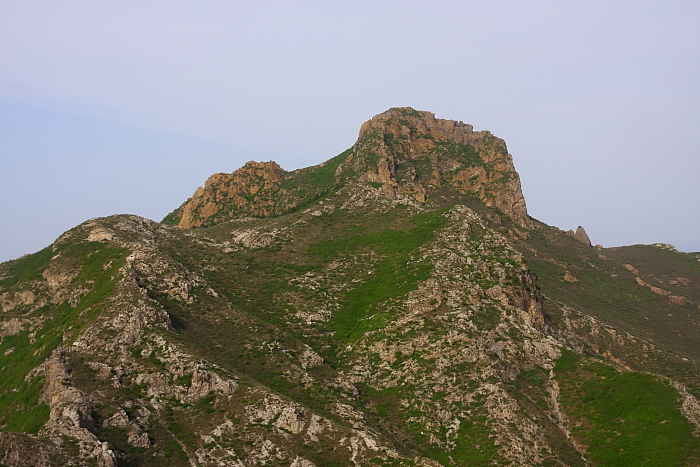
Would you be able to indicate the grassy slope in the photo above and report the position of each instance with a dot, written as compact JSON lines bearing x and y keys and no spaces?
{"x":252,"y":280}
{"x":624,"y":418}
{"x":19,"y":354}
{"x":620,"y":301}
{"x":310,"y":251}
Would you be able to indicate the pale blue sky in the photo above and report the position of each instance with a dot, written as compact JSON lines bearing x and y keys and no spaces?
{"x":127,"y":107}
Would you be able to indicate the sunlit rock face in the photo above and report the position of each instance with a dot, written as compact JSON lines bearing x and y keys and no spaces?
{"x":404,"y":150}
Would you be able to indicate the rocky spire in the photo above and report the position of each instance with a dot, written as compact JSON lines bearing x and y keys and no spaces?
{"x":580,"y":235}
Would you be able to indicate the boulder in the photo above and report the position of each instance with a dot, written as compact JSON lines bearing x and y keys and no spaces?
{"x":677,"y":300}
{"x":582,"y":236}
{"x":657,"y":290}
{"x":569,"y":278}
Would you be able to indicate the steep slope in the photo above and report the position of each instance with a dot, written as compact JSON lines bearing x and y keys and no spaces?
{"x":346,"y":314}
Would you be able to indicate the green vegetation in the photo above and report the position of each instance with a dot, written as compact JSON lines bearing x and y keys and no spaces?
{"x":172,"y":218}
{"x":323,"y":176}
{"x":611,"y":294}
{"x":19,"y":354}
{"x":464,"y":153}
{"x":625,"y":418}
{"x":394,"y":275}
{"x":336,"y":280}
{"x":27,"y":268}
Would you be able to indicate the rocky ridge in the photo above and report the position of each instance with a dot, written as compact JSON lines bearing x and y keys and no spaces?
{"x":404,"y":150}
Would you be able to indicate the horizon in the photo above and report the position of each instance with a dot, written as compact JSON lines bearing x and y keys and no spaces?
{"x":108,"y":108}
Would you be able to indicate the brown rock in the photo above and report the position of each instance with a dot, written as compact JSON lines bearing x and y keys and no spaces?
{"x":569,"y":278}
{"x":402,"y":135}
{"x":582,"y":236}
{"x":448,"y":153}
{"x":238,"y":189}
{"x":570,"y":233}
{"x":631,"y":269}
{"x":11,"y":327}
{"x":23,"y":450}
{"x":640,"y":281}
{"x":678,"y":300}
{"x":657,"y":290}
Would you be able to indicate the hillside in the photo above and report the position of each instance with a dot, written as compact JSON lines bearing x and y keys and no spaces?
{"x":394,"y":305}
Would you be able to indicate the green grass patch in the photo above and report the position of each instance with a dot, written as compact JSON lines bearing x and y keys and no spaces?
{"x":393,"y":275}
{"x":625,"y":418}
{"x":27,"y":268}
{"x":324,"y":176}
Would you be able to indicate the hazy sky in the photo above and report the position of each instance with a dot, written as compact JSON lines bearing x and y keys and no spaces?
{"x":127,"y":107}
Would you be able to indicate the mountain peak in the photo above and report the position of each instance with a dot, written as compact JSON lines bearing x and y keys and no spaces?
{"x":402,"y":150}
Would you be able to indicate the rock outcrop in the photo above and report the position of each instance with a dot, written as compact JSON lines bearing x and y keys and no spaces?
{"x":410,"y":151}
{"x":234,"y":191}
{"x":405,"y":151}
{"x":580,"y":235}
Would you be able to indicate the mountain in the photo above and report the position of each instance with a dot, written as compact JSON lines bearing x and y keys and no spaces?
{"x":393,"y":306}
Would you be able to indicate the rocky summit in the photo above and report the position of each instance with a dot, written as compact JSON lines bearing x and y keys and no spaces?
{"x":403,"y":151}
{"x":392,"y":306}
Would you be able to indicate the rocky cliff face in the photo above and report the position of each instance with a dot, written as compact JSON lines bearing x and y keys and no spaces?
{"x":412,"y":152}
{"x":244,"y":191}
{"x":405,"y":151}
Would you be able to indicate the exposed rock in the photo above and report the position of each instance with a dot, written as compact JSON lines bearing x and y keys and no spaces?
{"x":657,"y":290}
{"x":390,"y":150}
{"x":300,"y":462}
{"x":9,"y":302}
{"x":100,"y":234}
{"x":631,"y":269}
{"x":207,"y":343}
{"x":23,"y":450}
{"x":136,"y":436}
{"x":581,"y":236}
{"x":253,"y":180}
{"x":690,"y":407}
{"x":71,"y":413}
{"x":665,"y":246}
{"x":11,"y":327}
{"x":678,"y":300}
{"x":291,"y":419}
{"x":404,"y":135}
{"x":310,"y":359}
{"x":679,"y":281}
{"x":256,"y":237}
